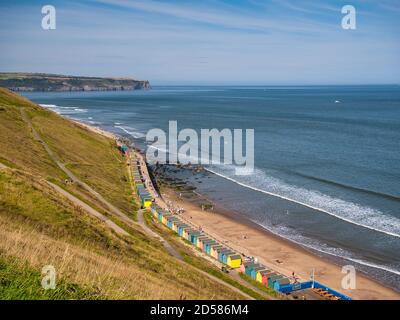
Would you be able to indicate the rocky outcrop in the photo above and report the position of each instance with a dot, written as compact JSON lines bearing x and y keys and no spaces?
{"x":51,"y":82}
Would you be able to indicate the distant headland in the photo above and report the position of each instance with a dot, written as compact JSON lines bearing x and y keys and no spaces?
{"x":17,"y":81}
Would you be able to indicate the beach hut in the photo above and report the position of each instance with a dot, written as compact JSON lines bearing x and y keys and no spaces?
{"x":124,"y":149}
{"x":193,"y":235}
{"x":222,"y":256}
{"x":260,"y":275}
{"x":204,"y":243}
{"x":181,"y":230}
{"x":170,"y":221}
{"x":141,"y":190}
{"x":225,"y":256}
{"x":146,"y":200}
{"x":207,"y":245}
{"x":176,"y":224}
{"x":244,"y":264}
{"x":249,"y":267}
{"x":164,"y":218}
{"x":280,"y":283}
{"x":139,"y":186}
{"x":234,"y":261}
{"x":219,"y":252}
{"x":200,"y":241}
{"x":186,"y":233}
{"x":253,"y":273}
{"x":173,"y":223}
{"x":189,"y":233}
{"x":161,"y":214}
{"x":272,"y":278}
{"x":154,"y":212}
{"x":214,"y":248}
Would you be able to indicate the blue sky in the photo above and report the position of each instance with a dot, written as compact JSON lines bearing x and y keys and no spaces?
{"x":206,"y":41}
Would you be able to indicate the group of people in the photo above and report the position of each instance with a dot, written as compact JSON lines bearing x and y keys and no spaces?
{"x":172,"y":209}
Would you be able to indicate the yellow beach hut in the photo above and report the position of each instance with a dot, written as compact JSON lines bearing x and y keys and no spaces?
{"x":164,"y":218}
{"x":175,"y":225}
{"x":261,"y":274}
{"x":186,"y":233}
{"x":234,"y":261}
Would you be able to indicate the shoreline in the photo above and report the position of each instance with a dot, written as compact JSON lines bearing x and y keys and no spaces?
{"x":270,"y":248}
{"x":282,"y":255}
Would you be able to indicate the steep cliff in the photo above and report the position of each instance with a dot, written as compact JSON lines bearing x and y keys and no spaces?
{"x":52,"y":82}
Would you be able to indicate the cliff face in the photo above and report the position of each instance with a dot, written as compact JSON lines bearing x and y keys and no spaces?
{"x":50,"y":82}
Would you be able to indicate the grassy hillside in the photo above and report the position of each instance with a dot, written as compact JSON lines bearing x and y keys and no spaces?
{"x":39,"y":227}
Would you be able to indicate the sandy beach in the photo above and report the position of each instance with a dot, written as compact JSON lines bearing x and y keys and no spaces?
{"x":272,"y":251}
{"x":277,"y":253}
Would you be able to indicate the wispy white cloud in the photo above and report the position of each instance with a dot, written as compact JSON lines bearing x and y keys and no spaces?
{"x":255,"y":21}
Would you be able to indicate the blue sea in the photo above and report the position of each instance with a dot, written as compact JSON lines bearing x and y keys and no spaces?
{"x":327,"y":158}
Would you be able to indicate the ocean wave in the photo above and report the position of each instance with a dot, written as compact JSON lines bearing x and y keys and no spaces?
{"x":346,"y":186}
{"x":344,"y":210}
{"x":306,"y":242}
{"x":64,"y":110}
{"x":131,"y":131}
{"x":350,"y":212}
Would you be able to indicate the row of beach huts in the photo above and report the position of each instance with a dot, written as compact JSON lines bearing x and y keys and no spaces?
{"x":219,"y":251}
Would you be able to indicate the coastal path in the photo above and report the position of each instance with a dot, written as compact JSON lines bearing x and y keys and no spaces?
{"x":89,"y":209}
{"x":62,"y":166}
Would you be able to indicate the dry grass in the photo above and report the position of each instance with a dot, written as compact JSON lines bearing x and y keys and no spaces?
{"x":40,"y":227}
{"x":114,"y":278}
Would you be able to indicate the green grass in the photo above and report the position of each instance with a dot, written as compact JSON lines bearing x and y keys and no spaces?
{"x":34,"y":203}
{"x":18,"y":149}
{"x":24,"y":283}
{"x":38,"y":226}
{"x":93,"y":158}
{"x":90,"y":156}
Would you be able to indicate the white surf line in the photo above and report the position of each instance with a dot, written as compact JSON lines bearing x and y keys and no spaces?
{"x":362,"y":262}
{"x":126,"y":131}
{"x":288,"y":199}
{"x":305,"y":204}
